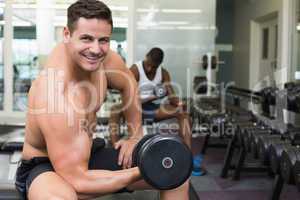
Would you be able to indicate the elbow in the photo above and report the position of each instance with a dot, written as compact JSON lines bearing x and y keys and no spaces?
{"x":75,"y":180}
{"x":78,"y":186}
{"x":75,"y":183}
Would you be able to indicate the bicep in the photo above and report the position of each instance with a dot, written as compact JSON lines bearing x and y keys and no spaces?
{"x":167,"y":81}
{"x":166,"y":76}
{"x":67,"y":147}
{"x":119,"y":77}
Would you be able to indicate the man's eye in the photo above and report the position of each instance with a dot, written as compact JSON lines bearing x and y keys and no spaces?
{"x":103,"y":41}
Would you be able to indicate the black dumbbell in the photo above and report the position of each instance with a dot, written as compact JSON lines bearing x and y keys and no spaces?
{"x":288,"y":160}
{"x":254,"y":136}
{"x":160,"y":91}
{"x":276,"y":150}
{"x":165,"y":162}
{"x":294,"y":137}
{"x":263,"y":146}
{"x":246,"y":137}
{"x":297,"y":174}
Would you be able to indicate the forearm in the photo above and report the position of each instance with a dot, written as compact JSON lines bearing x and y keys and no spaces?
{"x":101,"y":182}
{"x":148,"y":99}
{"x":132,"y":112}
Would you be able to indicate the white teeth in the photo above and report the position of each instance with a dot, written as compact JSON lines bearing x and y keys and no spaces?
{"x":91,"y":58}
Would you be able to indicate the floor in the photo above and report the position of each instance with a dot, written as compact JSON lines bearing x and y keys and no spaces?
{"x":251,"y":186}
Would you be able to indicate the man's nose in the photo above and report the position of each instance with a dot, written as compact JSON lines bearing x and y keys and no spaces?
{"x":95,"y":47}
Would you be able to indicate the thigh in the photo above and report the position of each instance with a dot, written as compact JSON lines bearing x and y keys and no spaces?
{"x":49,"y":185}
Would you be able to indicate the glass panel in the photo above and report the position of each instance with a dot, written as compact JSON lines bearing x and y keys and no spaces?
{"x":24,"y":53}
{"x":185,"y":30}
{"x":276,"y":41}
{"x":1,"y":57}
{"x":298,"y":37}
{"x":265,"y":43}
{"x":1,"y":69}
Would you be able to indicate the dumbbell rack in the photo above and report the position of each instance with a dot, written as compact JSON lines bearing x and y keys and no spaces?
{"x":237,"y":146}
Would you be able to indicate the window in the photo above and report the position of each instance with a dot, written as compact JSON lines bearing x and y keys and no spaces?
{"x":265,"y":43}
{"x":25,"y":54}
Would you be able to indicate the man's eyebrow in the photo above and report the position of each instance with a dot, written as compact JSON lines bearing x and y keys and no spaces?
{"x":86,"y":35}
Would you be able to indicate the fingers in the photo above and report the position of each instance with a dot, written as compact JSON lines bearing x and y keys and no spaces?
{"x":127,"y":159}
{"x":121,"y":156}
{"x":125,"y":153}
{"x":121,"y":153}
{"x":118,"y":144}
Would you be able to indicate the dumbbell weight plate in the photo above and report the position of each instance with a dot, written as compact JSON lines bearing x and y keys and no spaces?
{"x":138,"y":147}
{"x":263,"y":145}
{"x":246,"y":140}
{"x":165,"y":162}
{"x":288,"y":159}
{"x":297,"y":174}
{"x":249,"y":134}
{"x":276,"y":150}
{"x":160,"y":91}
{"x":254,"y":142}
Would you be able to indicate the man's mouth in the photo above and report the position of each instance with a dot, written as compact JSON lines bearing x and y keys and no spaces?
{"x":92,"y":59}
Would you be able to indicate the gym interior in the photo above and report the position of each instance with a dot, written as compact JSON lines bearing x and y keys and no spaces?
{"x":234,"y":63}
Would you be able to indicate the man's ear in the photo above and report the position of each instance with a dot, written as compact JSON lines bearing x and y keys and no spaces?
{"x":66,"y":34}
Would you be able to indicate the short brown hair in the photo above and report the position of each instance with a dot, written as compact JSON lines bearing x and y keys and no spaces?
{"x":88,"y":9}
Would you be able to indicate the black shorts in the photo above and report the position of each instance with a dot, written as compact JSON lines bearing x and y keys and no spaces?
{"x":28,"y":170}
{"x":149,"y":109}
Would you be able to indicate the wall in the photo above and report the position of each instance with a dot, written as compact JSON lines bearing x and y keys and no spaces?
{"x":245,"y":11}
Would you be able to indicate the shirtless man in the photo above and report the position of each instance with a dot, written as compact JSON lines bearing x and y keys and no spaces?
{"x":57,"y":161}
{"x":149,"y":73}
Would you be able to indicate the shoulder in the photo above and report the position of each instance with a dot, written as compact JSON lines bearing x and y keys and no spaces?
{"x":44,"y":90}
{"x":113,"y":60}
{"x":134,"y":67}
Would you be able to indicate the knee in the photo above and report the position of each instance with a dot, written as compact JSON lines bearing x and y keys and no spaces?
{"x":183,"y":116}
{"x":66,"y":196}
{"x":70,"y":195}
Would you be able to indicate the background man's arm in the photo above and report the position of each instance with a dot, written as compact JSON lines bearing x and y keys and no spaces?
{"x":174,"y":100}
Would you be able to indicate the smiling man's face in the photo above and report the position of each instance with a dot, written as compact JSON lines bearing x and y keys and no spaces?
{"x":88,"y":44}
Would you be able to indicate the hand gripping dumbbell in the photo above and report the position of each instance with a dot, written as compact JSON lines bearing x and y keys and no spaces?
{"x":160,"y":91}
{"x":165,"y":162}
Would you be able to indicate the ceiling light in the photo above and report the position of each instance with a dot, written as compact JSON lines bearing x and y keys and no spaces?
{"x":119,"y":8}
{"x":181,"y":11}
{"x":173,"y":22}
{"x":146,"y":10}
{"x":194,"y":27}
